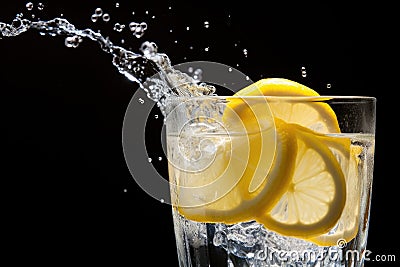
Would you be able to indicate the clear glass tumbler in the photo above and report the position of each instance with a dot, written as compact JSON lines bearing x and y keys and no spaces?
{"x":271,"y":180}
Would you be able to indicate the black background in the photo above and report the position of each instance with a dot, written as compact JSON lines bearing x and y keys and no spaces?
{"x":68,"y":194}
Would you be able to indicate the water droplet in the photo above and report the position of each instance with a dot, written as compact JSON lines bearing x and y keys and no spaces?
{"x":191,"y":47}
{"x":94,"y":17}
{"x":176,"y":41}
{"x":170,"y":7}
{"x":133,"y":12}
{"x":245,"y":52}
{"x":125,"y":190}
{"x":106,"y":17}
{"x":141,"y":101}
{"x":33,"y":16}
{"x":98,"y":11}
{"x":303,"y":72}
{"x":153,"y":17}
{"x":116,"y":4}
{"x":230,"y":69}
{"x":150,"y":159}
{"x":235,"y":44}
{"x":328,"y":85}
{"x":190,"y":69}
{"x":170,"y":30}
{"x":206,"y":49}
{"x":162,"y":200}
{"x":61,"y":15}
{"x":143,"y":25}
{"x":29,"y":5}
{"x":247,"y":78}
{"x":206,"y":24}
{"x":73,"y":41}
{"x":40,"y":6}
{"x":118,"y":27}
{"x":156,"y":116}
{"x":159,"y":158}
{"x":237,"y":64}
{"x":147,"y":12}
{"x":122,"y":41}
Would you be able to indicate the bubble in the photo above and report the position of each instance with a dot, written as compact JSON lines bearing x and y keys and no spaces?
{"x":190,"y":69}
{"x":328,"y":85}
{"x":303,"y":72}
{"x":206,"y":49}
{"x":245,"y":52}
{"x":29,"y":5}
{"x":118,"y":27}
{"x":143,"y":25}
{"x":147,"y":12}
{"x":122,"y":41}
{"x":162,"y":200}
{"x":170,"y":7}
{"x":156,"y":116}
{"x":187,"y":28}
{"x":159,"y":158}
{"x":176,"y":41}
{"x":153,"y":17}
{"x":133,"y":12}
{"x":191,"y":47}
{"x":149,"y":48}
{"x":98,"y":11}
{"x":141,"y":101}
{"x":170,"y":30}
{"x":40,"y":6}
{"x":94,"y":17}
{"x":206,"y":24}
{"x":150,"y":159}
{"x":106,"y":17}
{"x":125,"y":190}
{"x":73,"y":41}
{"x":247,"y":78}
{"x":230,"y":69}
{"x":116,"y":4}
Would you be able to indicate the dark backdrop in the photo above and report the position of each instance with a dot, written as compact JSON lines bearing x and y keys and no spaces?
{"x":68,"y":194}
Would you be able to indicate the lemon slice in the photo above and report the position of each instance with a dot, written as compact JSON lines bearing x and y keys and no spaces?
{"x":347,"y":227}
{"x":314,"y":115}
{"x":316,"y":195}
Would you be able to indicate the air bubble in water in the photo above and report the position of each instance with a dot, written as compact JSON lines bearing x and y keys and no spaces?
{"x":118,"y":27}
{"x":40,"y":6}
{"x":29,"y":5}
{"x":206,"y":24}
{"x":98,"y":11}
{"x":106,"y":17}
{"x":328,"y":85}
{"x":141,"y":101}
{"x":149,"y":48}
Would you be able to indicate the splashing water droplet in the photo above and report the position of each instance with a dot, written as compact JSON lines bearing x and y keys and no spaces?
{"x":116,"y":4}
{"x":118,"y":27}
{"x":245,"y":52}
{"x":176,"y":41}
{"x":29,"y":5}
{"x":141,"y":101}
{"x":159,"y":158}
{"x":94,"y":17}
{"x":170,"y":30}
{"x":191,"y":47}
{"x":98,"y":11}
{"x":133,"y":12}
{"x":106,"y":17}
{"x":187,"y":28}
{"x":153,"y":17}
{"x":230,"y":69}
{"x":150,"y":159}
{"x":73,"y":41}
{"x":247,"y":78}
{"x":40,"y":6}
{"x":162,"y":200}
{"x":156,"y":116}
{"x":206,"y":49}
{"x":125,"y":190}
{"x":328,"y":85}
{"x":303,"y":72}
{"x":170,"y":7}
{"x":206,"y":24}
{"x":122,"y":41}
{"x":143,"y":25}
{"x":190,"y":69}
{"x":147,"y":12}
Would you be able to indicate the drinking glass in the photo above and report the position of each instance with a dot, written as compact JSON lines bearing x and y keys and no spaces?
{"x":271,"y":180}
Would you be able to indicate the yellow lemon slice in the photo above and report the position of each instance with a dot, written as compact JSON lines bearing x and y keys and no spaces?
{"x":314,"y":115}
{"x":316,"y":195}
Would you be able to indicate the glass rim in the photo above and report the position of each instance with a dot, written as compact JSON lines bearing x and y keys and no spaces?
{"x":282,"y":97}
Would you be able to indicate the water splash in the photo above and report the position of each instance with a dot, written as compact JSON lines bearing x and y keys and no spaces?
{"x":151,"y":70}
